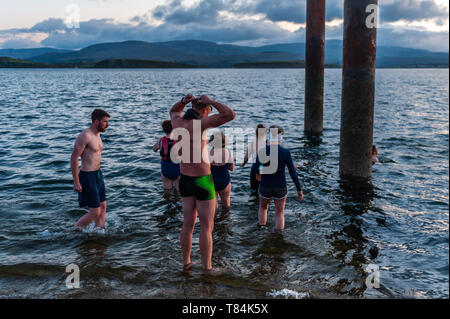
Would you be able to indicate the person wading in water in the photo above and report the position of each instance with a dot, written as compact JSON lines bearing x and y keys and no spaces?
{"x":196,"y":183}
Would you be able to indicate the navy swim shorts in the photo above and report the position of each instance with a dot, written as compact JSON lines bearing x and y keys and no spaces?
{"x":93,"y":189}
{"x":272,"y":193}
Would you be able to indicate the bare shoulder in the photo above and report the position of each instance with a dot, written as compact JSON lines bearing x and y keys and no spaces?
{"x":83,"y":138}
{"x":175,"y":118}
{"x":179,"y":122}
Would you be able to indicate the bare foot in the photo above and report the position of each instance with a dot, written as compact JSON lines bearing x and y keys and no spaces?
{"x":77,"y":229}
{"x":187,"y":267}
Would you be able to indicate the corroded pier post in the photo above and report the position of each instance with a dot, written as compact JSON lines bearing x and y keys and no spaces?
{"x":358,"y":88}
{"x":315,"y":63}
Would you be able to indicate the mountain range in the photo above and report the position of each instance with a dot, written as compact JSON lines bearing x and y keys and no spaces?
{"x":210,"y":54}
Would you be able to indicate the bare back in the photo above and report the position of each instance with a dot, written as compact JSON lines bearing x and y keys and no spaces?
{"x":198,"y":164}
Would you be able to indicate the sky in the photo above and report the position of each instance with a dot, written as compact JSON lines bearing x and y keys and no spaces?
{"x":74,"y":24}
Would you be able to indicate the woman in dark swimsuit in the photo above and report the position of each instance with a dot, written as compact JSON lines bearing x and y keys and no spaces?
{"x":170,"y":171}
{"x":221,"y":164}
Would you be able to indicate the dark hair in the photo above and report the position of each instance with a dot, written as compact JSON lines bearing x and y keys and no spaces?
{"x":212,"y":138}
{"x":167,"y":126}
{"x":199,"y":106}
{"x":98,"y":114}
{"x":374,"y":147}
{"x":280,"y":129}
{"x":258,"y":127}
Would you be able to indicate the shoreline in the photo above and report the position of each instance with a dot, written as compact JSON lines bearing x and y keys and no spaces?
{"x":212,"y":68}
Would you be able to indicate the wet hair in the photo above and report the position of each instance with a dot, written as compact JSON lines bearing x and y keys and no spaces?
{"x":213,"y":136}
{"x":199,"y":106}
{"x":167,"y":126}
{"x":258,"y":127}
{"x":280,"y":129}
{"x":98,"y":114}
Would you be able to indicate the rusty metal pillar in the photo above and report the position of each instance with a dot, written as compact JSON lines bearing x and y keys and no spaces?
{"x":315,"y":64}
{"x":358,"y":88}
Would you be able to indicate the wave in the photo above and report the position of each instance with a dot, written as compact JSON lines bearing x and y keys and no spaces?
{"x":287,"y":293}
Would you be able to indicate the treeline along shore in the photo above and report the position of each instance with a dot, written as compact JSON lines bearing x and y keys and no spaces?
{"x":6,"y":62}
{"x":204,"y":54}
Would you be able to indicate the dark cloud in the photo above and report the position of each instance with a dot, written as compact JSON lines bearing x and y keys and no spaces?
{"x":100,"y":31}
{"x":48,"y":25}
{"x":205,"y":12}
{"x":202,"y":21}
{"x":418,"y":39}
{"x":97,"y":31}
{"x":17,"y":43}
{"x":411,"y":10}
{"x":293,"y":11}
{"x":335,"y":9}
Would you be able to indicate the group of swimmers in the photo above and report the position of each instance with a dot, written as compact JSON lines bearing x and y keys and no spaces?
{"x":199,"y":183}
{"x":222,"y":162}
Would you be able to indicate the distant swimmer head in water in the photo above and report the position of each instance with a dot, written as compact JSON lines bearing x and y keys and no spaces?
{"x":276,"y":134}
{"x":197,"y":111}
{"x":100,"y":120}
{"x":374,"y":154}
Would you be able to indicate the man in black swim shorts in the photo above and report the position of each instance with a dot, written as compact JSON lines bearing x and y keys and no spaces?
{"x":196,"y":184}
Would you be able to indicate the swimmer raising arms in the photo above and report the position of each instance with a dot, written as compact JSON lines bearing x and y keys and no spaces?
{"x":196,"y":184}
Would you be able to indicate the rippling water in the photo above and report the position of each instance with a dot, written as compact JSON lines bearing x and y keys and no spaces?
{"x":398,"y":222}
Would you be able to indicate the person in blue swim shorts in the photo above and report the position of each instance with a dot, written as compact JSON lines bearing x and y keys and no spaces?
{"x":88,"y":182}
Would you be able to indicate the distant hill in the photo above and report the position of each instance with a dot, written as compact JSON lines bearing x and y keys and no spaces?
{"x":386,"y":56}
{"x":28,"y":53}
{"x":197,"y":53}
{"x":278,"y":65}
{"x":213,"y":55}
{"x":271,"y":65}
{"x":125,"y":63}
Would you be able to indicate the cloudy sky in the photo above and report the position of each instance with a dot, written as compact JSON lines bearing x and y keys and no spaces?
{"x":420,"y":24}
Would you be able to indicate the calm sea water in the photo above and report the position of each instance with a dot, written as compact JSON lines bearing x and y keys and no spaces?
{"x":398,"y":222}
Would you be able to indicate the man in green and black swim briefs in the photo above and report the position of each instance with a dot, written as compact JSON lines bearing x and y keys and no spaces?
{"x":196,"y":183}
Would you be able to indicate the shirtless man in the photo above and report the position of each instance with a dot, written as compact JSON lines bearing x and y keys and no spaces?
{"x":196,"y":183}
{"x":89,"y":182}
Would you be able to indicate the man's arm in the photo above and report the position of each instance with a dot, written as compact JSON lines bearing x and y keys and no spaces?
{"x":226,"y":114}
{"x":78,"y":149}
{"x":247,"y":154}
{"x":177,"y":109}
